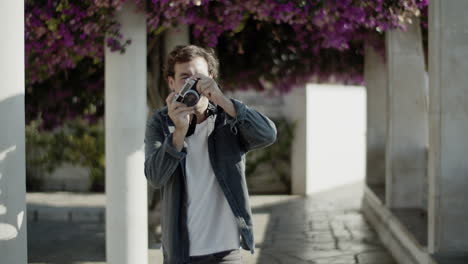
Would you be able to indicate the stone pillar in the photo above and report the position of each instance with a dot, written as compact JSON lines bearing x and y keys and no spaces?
{"x":407,"y":136}
{"x":295,"y":109}
{"x":157,"y":84}
{"x":375,"y":75}
{"x":448,"y":154}
{"x":13,"y":232}
{"x":126,"y":194}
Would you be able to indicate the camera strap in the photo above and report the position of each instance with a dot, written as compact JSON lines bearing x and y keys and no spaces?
{"x":192,"y":126}
{"x":210,"y":110}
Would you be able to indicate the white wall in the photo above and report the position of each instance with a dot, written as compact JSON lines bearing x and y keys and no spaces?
{"x":329,"y":146}
{"x":336,"y":136}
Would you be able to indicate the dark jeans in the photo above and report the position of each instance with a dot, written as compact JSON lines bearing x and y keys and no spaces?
{"x":224,"y":257}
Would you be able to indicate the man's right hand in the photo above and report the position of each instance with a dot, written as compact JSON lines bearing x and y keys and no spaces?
{"x":180,"y":115}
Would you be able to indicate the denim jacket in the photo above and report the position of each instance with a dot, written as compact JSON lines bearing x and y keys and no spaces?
{"x":230,"y":140}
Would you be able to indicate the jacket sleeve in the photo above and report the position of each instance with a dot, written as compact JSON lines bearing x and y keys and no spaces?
{"x":255,"y":129}
{"x":161,"y":157}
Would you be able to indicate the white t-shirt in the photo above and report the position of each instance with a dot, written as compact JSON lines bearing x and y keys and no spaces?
{"x":211,"y":224}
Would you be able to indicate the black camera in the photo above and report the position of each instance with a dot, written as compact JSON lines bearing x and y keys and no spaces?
{"x":188,"y":95}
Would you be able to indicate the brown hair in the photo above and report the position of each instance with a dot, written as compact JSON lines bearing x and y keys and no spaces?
{"x":182,"y":54}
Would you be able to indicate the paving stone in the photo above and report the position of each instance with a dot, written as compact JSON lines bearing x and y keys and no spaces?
{"x":362,"y":233}
{"x":295,"y":245}
{"x":320,"y":256}
{"x":381,"y":257}
{"x":288,"y":230}
{"x":337,"y":224}
{"x":346,"y":259}
{"x":357,"y":247}
{"x":319,"y":225}
{"x":50,"y":214}
{"x":261,"y":226}
{"x":279,"y":257}
{"x":342,"y":234}
{"x":291,"y":245}
{"x":323,"y":246}
{"x":320,"y":237}
{"x":292,"y":227}
{"x":289,"y":236}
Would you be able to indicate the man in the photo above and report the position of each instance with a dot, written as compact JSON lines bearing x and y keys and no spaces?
{"x":196,"y":155}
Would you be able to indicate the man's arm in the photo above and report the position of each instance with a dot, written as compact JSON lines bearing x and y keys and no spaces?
{"x":161,"y":157}
{"x":255,"y":129}
{"x":228,"y":106}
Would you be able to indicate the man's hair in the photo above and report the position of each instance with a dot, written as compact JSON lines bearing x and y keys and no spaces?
{"x":182,"y":54}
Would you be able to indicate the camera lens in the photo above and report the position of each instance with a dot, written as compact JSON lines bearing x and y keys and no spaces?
{"x":191,"y":98}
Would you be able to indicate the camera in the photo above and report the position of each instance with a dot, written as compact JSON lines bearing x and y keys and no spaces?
{"x":188,"y":95}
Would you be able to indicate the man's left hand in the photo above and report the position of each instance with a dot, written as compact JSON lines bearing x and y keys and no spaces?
{"x":209,"y":88}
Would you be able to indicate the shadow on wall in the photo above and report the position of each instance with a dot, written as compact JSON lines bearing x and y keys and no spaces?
{"x":12,"y":216}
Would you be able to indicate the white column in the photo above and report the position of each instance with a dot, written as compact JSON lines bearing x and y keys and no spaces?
{"x":375,"y":75}
{"x":407,"y":136}
{"x":125,"y":95}
{"x":295,"y":109}
{"x":174,"y":36}
{"x":448,"y":154}
{"x":13,"y":233}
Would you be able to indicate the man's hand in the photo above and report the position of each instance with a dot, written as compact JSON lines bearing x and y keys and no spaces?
{"x":180,"y":115}
{"x":209,"y":88}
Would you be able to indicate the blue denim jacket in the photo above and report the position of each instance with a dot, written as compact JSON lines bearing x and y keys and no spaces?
{"x":230,"y":140}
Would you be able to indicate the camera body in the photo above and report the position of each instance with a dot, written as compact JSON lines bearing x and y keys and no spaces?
{"x":188,"y":95}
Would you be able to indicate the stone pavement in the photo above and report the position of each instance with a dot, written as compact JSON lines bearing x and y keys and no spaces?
{"x":324,"y":228}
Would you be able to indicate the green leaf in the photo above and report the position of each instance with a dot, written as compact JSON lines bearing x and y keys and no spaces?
{"x":242,"y":24}
{"x":52,"y":24}
{"x":159,"y":30}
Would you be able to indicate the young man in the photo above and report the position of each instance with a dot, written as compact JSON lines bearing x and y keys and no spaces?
{"x":196,"y":155}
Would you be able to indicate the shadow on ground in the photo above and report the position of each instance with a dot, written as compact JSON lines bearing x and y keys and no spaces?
{"x":55,"y":241}
{"x":327,"y":227}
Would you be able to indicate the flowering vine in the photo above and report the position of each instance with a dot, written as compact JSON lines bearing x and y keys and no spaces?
{"x":268,"y":43}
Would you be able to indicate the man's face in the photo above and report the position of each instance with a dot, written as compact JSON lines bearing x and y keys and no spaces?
{"x":183,"y":71}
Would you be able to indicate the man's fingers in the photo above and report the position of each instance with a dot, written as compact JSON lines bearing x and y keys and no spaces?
{"x":202,"y":85}
{"x":177,"y":105}
{"x":171,"y":105}
{"x":169,"y":100}
{"x":170,"y":97}
{"x":206,"y":90}
{"x":199,"y":76}
{"x":184,"y":113}
{"x":202,"y":90}
{"x":182,"y":108}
